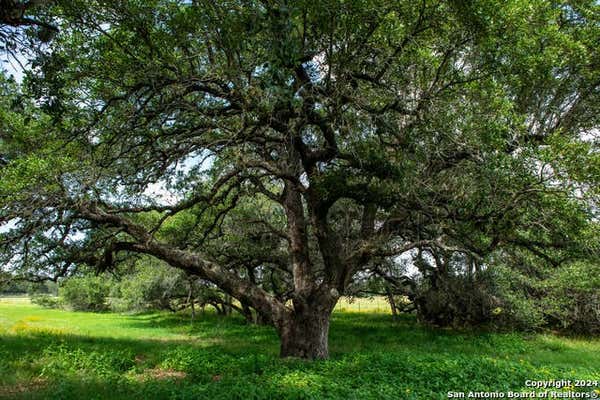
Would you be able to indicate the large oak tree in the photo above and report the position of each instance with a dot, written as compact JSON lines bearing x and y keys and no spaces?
{"x":296,"y":144}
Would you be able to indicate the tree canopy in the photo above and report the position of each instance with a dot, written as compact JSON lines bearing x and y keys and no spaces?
{"x":279,"y":149}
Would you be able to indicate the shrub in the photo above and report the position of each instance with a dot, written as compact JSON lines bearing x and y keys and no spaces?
{"x":46,"y":300}
{"x":151,"y":286}
{"x":86,"y":293}
{"x":458,"y":301}
{"x":566,"y":298}
{"x":572,"y":298}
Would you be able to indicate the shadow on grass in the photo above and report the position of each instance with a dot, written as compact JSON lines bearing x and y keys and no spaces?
{"x":227,"y":334}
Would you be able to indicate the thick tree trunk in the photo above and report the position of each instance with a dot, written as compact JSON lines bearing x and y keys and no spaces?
{"x":304,"y":333}
{"x":305,"y":337}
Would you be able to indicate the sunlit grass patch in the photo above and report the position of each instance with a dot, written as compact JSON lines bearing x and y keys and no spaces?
{"x":21,"y":300}
{"x":32,"y":318}
{"x":375,"y":304}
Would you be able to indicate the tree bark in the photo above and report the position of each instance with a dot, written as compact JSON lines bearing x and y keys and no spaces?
{"x":247,"y":313}
{"x":304,"y":331}
{"x":262,"y":319}
{"x":305,"y":335}
{"x":190,"y":299}
{"x":297,"y":231}
{"x":392,"y":301}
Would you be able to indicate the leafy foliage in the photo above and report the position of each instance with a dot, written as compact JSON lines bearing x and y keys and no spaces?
{"x":86,"y":293}
{"x":46,"y":300}
{"x":571,"y":298}
{"x":151,"y":286}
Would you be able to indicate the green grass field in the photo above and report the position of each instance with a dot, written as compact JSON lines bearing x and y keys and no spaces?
{"x":54,"y":354}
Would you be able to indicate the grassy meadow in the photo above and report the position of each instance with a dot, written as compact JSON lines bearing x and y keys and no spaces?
{"x":55,"y":354}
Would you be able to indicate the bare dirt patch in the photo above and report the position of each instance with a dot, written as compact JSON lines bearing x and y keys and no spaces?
{"x":34,"y":385}
{"x":161,"y":374}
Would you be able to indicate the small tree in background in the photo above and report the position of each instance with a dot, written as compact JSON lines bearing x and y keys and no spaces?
{"x":150,"y":285}
{"x":85,"y":293}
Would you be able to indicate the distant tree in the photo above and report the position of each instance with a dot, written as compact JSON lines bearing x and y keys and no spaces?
{"x":302,"y":142}
{"x":85,"y":293}
{"x":150,"y":285}
{"x":153,"y":285}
